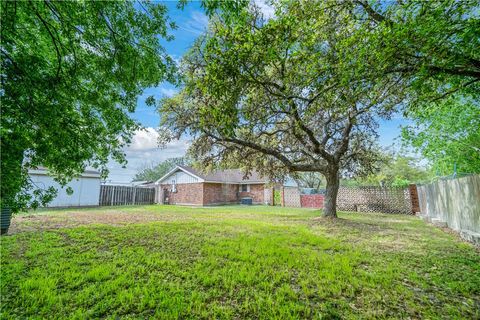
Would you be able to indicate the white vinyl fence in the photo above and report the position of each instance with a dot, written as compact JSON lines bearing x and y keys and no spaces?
{"x":454,"y":203}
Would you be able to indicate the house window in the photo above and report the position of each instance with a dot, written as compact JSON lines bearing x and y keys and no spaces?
{"x":244,"y":188}
{"x":174,"y":186}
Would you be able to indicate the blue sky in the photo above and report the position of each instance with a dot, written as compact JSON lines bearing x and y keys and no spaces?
{"x":143,"y":151}
{"x":191,"y":22}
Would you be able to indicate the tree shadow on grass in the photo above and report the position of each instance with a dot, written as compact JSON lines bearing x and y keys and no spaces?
{"x":339,"y":222}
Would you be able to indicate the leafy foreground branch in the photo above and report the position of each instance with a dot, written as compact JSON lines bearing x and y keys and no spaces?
{"x":71,"y":74}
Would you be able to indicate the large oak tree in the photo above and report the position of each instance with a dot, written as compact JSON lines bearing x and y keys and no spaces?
{"x":71,"y":72}
{"x":271,"y":95}
{"x":261,"y":92}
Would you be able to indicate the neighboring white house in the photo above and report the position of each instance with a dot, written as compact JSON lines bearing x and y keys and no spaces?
{"x":86,"y":188}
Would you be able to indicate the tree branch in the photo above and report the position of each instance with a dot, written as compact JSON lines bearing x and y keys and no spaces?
{"x":311,"y":135}
{"x":59,"y":56}
{"x":374,"y":14}
{"x":276,"y":154}
{"x":449,"y":92}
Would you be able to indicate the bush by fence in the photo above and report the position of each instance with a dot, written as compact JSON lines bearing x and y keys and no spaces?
{"x":455,"y":202}
{"x":123,"y":195}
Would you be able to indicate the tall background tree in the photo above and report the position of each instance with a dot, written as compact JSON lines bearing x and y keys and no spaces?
{"x":271,"y":95}
{"x":447,"y":133}
{"x":71,"y":72}
{"x":301,"y":91}
{"x":156,"y":171}
{"x":394,"y":170}
{"x":311,"y":180}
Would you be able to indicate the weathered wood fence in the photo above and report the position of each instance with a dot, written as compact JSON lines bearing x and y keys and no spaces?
{"x":123,"y":195}
{"x":455,"y":203}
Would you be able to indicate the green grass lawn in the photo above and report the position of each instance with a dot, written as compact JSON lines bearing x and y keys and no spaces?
{"x":170,"y":262}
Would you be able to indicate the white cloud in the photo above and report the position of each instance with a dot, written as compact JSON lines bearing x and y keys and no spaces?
{"x":144,"y":139}
{"x":199,"y":18}
{"x":197,"y":23}
{"x":177,"y":59}
{"x":144,"y":151}
{"x":168,"y":92}
{"x":267,"y":10}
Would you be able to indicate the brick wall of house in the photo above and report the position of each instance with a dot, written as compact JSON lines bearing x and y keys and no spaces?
{"x":219,"y":193}
{"x":257,"y":193}
{"x":210,"y":193}
{"x":187,"y":193}
{"x":311,"y":200}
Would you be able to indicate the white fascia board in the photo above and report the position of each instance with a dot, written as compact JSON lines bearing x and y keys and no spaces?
{"x":168,"y":174}
{"x":175,"y":170}
{"x":193,"y":175}
{"x":239,"y":183}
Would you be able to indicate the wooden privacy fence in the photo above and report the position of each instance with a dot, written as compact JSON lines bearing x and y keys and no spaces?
{"x":123,"y":195}
{"x":454,"y":203}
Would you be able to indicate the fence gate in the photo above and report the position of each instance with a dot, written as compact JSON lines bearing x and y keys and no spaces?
{"x":123,"y":195}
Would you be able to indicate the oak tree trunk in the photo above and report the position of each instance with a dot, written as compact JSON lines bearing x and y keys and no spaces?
{"x":330,"y":204}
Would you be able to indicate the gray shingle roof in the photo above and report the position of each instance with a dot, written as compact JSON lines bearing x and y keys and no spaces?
{"x":228,"y":175}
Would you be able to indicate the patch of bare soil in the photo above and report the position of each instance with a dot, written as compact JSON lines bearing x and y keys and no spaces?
{"x":341,"y":223}
{"x":381,"y":235}
{"x":41,"y":222}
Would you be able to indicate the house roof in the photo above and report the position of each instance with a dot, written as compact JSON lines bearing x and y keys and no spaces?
{"x":235,"y":176}
{"x":229,"y":175}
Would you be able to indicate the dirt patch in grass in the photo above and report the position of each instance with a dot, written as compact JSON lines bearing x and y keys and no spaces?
{"x":387,"y":234}
{"x":342,"y":222}
{"x":42,"y":222}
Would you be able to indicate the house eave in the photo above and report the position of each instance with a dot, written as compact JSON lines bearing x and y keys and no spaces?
{"x":173,"y":171}
{"x":236,"y":182}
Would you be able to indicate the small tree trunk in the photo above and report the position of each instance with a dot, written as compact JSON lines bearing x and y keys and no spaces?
{"x":12,"y":150}
{"x":333,"y":182}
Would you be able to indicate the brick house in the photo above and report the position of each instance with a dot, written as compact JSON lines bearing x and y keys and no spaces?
{"x":187,"y":186}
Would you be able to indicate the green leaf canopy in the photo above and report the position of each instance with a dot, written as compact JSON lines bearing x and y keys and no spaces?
{"x":71,"y":74}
